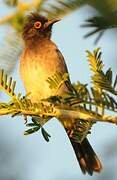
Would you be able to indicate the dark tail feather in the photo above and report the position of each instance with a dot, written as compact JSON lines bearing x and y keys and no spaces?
{"x":86,"y":156}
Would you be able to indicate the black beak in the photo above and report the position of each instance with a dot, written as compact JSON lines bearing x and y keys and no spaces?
{"x":50,"y":22}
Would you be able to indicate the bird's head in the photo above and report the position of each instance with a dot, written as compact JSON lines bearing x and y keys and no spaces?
{"x":37,"y":26}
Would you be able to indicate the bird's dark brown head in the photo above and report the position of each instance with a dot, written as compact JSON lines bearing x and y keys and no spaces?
{"x":37,"y":26}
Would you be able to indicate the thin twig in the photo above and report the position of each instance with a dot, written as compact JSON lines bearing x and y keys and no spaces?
{"x":63,"y":114}
{"x":72,"y":114}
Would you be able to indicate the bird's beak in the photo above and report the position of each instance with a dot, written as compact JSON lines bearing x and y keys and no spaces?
{"x":50,"y":22}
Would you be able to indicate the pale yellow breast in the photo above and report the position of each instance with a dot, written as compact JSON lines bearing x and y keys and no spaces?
{"x":35,"y":68}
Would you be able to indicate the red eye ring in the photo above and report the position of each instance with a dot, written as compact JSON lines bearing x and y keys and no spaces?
{"x":37,"y":24}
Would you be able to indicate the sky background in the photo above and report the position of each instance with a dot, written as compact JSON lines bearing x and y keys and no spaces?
{"x":32,"y":158}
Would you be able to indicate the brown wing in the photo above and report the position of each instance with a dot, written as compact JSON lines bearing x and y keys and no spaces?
{"x":68,"y":82}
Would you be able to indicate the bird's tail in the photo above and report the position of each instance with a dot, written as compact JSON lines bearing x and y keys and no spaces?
{"x":86,"y":156}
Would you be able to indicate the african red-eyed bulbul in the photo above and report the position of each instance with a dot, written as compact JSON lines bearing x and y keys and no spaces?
{"x":41,"y":59}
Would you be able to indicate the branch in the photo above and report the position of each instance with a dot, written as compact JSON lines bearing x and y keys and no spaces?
{"x":79,"y":108}
{"x":72,"y":114}
{"x":60,"y":113}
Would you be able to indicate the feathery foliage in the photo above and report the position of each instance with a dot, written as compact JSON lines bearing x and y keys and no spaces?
{"x":84,"y":105}
{"x":7,"y":85}
{"x":57,"y":80}
{"x":61,"y":8}
{"x":106,"y":19}
{"x":104,"y":87}
{"x":100,"y":24}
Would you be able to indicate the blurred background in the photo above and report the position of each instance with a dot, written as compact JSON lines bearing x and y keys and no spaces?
{"x":31,"y":157}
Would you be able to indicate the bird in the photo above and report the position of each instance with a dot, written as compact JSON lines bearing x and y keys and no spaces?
{"x":41,"y":59}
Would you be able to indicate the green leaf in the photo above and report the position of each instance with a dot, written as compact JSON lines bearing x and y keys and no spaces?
{"x":81,"y":90}
{"x":57,"y":80}
{"x":7,"y":85}
{"x":36,"y":120}
{"x":109,"y":75}
{"x":45,"y":134}
{"x":101,"y":81}
{"x":109,"y":101}
{"x":31,"y":131}
{"x":96,"y":65}
{"x":96,"y":95}
{"x":30,"y":124}
{"x":54,"y":99}
{"x":115,"y":82}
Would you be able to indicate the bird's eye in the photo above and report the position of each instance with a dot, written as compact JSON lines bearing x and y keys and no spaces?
{"x":37,"y":24}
